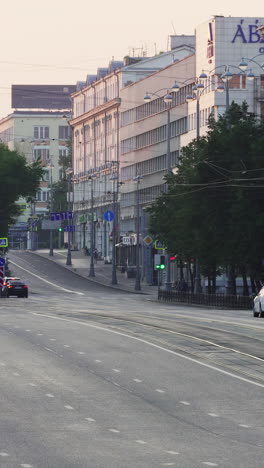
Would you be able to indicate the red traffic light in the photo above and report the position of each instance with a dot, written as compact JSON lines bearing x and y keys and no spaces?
{"x":173,"y":258}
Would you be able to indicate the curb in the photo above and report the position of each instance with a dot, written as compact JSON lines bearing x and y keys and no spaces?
{"x":88,"y":278}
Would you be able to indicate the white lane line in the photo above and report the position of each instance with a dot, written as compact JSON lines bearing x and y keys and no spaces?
{"x":16,"y":326}
{"x":213,"y":415}
{"x":32,"y":384}
{"x":142,"y":442}
{"x":159,"y":390}
{"x":97,"y":360}
{"x":168,"y":464}
{"x":49,"y":395}
{"x":4,"y":454}
{"x":66,"y":346}
{"x":171,"y":452}
{"x":16,"y":374}
{"x":116,"y":370}
{"x":46,"y":281}
{"x":244,"y":425}
{"x":80,"y":352}
{"x":137,"y":380}
{"x":90,"y":419}
{"x":2,"y":364}
{"x":210,"y":464}
{"x":114,"y":430}
{"x":68,"y":407}
{"x":186,"y":403}
{"x":161,"y":348}
{"x":28,"y":330}
{"x":26,"y":465}
{"x":52,"y":339}
{"x":39,"y":334}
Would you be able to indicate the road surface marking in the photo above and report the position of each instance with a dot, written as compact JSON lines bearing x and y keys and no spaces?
{"x":90,"y":419}
{"x":97,"y":360}
{"x":16,"y":374}
{"x":52,"y":339}
{"x":153,"y":345}
{"x":244,"y":425}
{"x":210,"y":464}
{"x":4,"y":454}
{"x":159,"y":390}
{"x":49,"y":395}
{"x":185,"y":403}
{"x":66,"y":346}
{"x":171,"y":452}
{"x":46,"y":281}
{"x":113,"y":430}
{"x":39,"y":334}
{"x":213,"y":415}
{"x":137,"y":380}
{"x":2,"y":364}
{"x":141,"y":442}
{"x":68,"y":407}
{"x":116,"y":370}
{"x":32,"y":384}
{"x":28,"y":330}
{"x":26,"y":465}
{"x":168,"y":464}
{"x":81,"y":352}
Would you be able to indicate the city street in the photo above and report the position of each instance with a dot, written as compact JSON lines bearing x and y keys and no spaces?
{"x":100,"y":378}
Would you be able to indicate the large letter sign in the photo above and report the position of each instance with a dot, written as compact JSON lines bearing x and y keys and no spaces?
{"x":239,"y":33}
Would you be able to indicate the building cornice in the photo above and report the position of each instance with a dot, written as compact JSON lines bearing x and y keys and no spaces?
{"x":96,"y":111}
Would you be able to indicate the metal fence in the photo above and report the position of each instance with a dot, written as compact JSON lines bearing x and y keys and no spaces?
{"x":211,"y":300}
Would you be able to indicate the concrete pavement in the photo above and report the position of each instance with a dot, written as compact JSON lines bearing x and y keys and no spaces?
{"x":103,"y":272}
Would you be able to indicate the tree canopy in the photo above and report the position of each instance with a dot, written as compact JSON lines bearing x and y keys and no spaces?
{"x":18,"y":179}
{"x":214,"y":207}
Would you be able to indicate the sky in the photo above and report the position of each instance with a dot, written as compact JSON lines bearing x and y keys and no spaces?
{"x":60,"y":42}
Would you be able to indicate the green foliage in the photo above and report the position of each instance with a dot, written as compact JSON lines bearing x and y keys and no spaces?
{"x":214,"y":208}
{"x":18,"y":179}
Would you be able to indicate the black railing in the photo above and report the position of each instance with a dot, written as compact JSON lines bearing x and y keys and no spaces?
{"x":211,"y":300}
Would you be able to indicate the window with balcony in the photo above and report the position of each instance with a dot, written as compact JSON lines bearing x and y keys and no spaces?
{"x":41,"y":133}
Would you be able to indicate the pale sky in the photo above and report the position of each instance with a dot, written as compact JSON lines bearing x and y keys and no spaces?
{"x":60,"y":42}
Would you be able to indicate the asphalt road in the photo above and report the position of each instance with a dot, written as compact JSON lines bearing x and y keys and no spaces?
{"x":93,"y":377}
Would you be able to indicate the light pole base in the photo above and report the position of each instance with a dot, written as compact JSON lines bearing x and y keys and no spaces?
{"x":137,"y":285}
{"x":92,"y":272}
{"x":114,"y":278}
{"x":68,"y":260}
{"x":51,"y":253}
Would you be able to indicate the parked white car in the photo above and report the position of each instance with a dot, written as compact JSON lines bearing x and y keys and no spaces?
{"x":258,"y":305}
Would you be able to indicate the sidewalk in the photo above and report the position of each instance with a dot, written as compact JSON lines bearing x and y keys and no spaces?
{"x":103,"y":273}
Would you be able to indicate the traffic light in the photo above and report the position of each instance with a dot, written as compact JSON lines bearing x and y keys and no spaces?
{"x":60,"y":229}
{"x":159,"y":262}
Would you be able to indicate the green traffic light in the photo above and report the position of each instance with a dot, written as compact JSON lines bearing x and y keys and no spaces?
{"x":162,"y":267}
{"x":60,"y":229}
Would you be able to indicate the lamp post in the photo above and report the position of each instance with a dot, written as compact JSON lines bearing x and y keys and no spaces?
{"x":69,"y":172}
{"x":50,"y":165}
{"x":92,"y":272}
{"x":137,"y":180}
{"x":115,"y":223}
{"x":168,"y":102}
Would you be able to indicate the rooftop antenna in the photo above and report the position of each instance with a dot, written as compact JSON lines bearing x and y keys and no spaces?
{"x":173,"y":28}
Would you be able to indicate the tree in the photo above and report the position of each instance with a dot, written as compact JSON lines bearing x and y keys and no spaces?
{"x":18,"y":179}
{"x":214,"y":208}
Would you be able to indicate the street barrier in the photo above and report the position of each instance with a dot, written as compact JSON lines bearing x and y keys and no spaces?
{"x":220,"y":301}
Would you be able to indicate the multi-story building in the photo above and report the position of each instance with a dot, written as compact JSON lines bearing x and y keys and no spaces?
{"x":38,"y":130}
{"x":96,"y":124}
{"x":115,"y":131}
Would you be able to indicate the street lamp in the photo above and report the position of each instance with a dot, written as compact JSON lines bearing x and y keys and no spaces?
{"x":69,"y":172}
{"x":50,"y":165}
{"x":167,"y":99}
{"x":115,"y":224}
{"x":137,"y":180}
{"x":92,"y":179}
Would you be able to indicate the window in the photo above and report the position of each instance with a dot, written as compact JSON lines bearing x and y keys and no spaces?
{"x":63,"y":152}
{"x":41,"y":133}
{"x":64,"y":132}
{"x":41,"y":153}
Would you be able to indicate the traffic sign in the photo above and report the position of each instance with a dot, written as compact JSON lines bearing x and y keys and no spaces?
{"x":158,"y":245}
{"x":62,"y":215}
{"x":109,"y":216}
{"x":69,"y":228}
{"x":3,"y":242}
{"x":148,"y":240}
{"x":2,"y":262}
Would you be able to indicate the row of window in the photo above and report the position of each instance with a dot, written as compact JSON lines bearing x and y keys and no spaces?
{"x":146,"y":195}
{"x":43,"y":153}
{"x":204,"y":115}
{"x":154,"y":106}
{"x":42,"y":196}
{"x":154,"y":136}
{"x":149,"y":166}
{"x":43,"y":132}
